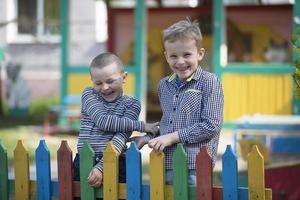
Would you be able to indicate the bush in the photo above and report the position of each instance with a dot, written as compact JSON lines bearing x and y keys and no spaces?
{"x":37,"y":110}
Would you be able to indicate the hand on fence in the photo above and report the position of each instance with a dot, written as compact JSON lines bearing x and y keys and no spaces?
{"x":140,"y":141}
{"x":152,"y":128}
{"x":161,"y":142}
{"x":95,"y":178}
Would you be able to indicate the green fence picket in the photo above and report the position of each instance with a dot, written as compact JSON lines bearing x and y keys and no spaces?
{"x":3,"y":173}
{"x":180,"y":174}
{"x":87,"y":162}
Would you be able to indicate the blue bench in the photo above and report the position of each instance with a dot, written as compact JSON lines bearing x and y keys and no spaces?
{"x":281,"y":134}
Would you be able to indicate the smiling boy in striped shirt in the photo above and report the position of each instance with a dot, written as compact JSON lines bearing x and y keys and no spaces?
{"x":108,"y":115}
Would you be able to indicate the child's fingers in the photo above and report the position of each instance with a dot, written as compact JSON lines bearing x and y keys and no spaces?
{"x":151,"y":143}
{"x":96,"y":184}
{"x":92,"y":179}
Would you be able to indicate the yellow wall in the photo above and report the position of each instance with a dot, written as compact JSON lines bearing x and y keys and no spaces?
{"x":256,"y":93}
{"x":78,"y":82}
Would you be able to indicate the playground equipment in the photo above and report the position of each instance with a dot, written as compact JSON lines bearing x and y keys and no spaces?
{"x":64,"y":188}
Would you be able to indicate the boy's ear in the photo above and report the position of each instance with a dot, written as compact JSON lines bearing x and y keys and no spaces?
{"x":166,"y":55}
{"x":201,"y":53}
{"x":124,"y":75}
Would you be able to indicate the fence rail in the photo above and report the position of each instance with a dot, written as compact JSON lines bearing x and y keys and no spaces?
{"x":64,"y":188}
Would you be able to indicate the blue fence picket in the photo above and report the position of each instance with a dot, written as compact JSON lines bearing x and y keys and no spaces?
{"x":43,"y":171}
{"x":229,"y":174}
{"x":133,"y":173}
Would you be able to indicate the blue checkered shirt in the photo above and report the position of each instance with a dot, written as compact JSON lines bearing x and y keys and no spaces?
{"x":194,"y":108}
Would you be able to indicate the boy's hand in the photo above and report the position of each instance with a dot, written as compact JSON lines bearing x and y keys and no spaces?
{"x":140,"y":141}
{"x":95,"y":178}
{"x":152,"y":128}
{"x":161,"y":142}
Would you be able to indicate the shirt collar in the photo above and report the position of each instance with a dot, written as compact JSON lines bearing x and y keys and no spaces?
{"x":195,"y":76}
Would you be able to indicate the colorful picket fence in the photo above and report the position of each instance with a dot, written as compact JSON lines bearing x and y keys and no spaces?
{"x":64,"y":188}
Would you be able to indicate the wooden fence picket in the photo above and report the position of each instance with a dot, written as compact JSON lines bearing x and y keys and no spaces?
{"x":229,"y":174}
{"x":180,"y":174}
{"x":3,"y":173}
{"x":111,"y":173}
{"x":87,"y":162}
{"x":256,"y":174}
{"x":43,"y":171}
{"x":64,"y":171}
{"x":133,"y":173}
{"x":157,"y":176}
{"x":204,"y":175}
{"x":21,"y":161}
{"x":66,"y":189}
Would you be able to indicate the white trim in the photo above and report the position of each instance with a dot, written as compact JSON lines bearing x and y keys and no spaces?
{"x":100,"y":21}
{"x":40,"y":17}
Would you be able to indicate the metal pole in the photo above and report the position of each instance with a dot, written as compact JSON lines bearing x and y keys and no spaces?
{"x":1,"y":101}
{"x":140,"y":53}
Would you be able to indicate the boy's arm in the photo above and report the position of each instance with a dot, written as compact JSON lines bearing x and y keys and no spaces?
{"x":120,"y":139}
{"x":111,"y":123}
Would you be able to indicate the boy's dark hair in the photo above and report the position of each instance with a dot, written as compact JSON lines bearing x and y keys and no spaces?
{"x":105,"y":59}
{"x":184,"y":29}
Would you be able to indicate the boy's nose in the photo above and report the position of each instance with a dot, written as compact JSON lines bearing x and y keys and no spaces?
{"x":180,"y":60}
{"x":105,"y":86}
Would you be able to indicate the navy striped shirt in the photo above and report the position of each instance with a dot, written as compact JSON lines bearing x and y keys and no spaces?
{"x":194,"y":108}
{"x":103,"y":121}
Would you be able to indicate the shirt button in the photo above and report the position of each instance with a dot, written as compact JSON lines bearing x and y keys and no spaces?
{"x":171,"y":122}
{"x":176,"y":95}
{"x":174,"y":109}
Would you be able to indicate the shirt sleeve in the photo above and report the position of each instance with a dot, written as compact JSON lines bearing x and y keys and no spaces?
{"x":92,"y":106}
{"x":211,"y":120}
{"x":120,"y":139}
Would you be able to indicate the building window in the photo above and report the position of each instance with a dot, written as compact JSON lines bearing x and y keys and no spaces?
{"x":34,"y":20}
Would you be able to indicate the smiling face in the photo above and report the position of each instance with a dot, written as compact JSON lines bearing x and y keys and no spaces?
{"x":183,"y":57}
{"x":108,"y":81}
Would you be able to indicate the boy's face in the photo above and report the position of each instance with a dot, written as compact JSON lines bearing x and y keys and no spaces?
{"x":108,"y":81}
{"x":183,"y":57}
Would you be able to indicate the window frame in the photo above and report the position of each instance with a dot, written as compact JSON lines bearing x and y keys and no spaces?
{"x":13,"y":36}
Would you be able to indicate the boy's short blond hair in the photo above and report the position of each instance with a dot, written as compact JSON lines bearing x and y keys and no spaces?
{"x":184,"y":29}
{"x":105,"y":59}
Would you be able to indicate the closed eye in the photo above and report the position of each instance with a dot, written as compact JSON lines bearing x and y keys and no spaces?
{"x":110,"y":81}
{"x":187,"y":54}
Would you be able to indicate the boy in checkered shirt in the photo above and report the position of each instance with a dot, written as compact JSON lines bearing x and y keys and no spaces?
{"x":191,"y":99}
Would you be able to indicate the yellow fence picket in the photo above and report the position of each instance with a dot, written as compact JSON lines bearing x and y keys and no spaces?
{"x":157,"y":176}
{"x":256,"y":175}
{"x":111,"y":173}
{"x":21,"y":172}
